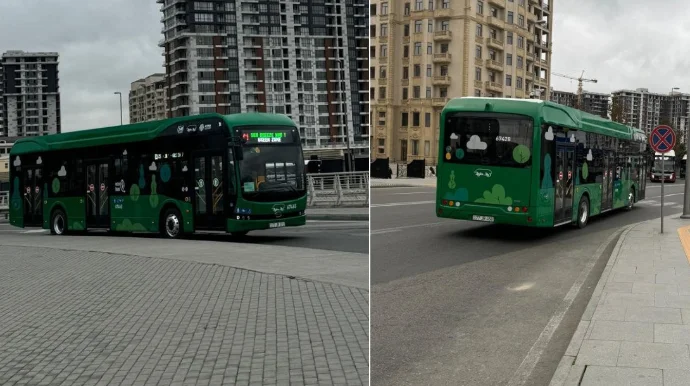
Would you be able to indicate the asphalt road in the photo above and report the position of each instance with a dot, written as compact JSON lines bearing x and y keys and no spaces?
{"x":343,"y":236}
{"x":463,"y":303}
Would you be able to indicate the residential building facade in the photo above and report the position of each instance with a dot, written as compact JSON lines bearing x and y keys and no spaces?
{"x":306,"y":58}
{"x":596,"y":103}
{"x":425,"y":52}
{"x":148,"y":99}
{"x":30,"y":94}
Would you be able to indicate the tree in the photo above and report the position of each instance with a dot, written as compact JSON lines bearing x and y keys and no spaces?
{"x":617,"y":110}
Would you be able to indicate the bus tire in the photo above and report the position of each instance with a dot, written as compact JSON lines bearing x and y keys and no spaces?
{"x":171,"y":226}
{"x":239,"y":234}
{"x":631,"y":198}
{"x":583,"y":212}
{"x":58,"y":222}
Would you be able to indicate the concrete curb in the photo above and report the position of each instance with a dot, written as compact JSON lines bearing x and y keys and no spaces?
{"x":567,"y":373}
{"x":339,"y":217}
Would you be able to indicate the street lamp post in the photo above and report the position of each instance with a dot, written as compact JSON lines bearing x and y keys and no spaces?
{"x":350,"y":162}
{"x":120,"y":94}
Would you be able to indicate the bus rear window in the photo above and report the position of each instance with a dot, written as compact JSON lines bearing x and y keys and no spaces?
{"x":488,"y":139}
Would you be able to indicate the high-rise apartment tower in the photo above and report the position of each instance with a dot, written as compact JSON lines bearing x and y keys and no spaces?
{"x":29,"y":94}
{"x":304,"y":58}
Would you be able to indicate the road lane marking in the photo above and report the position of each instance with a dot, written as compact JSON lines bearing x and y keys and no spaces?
{"x":523,"y":373}
{"x":402,"y":204}
{"x":413,"y":193}
{"x":36,"y":231}
{"x":684,"y":235}
{"x":400,"y":228}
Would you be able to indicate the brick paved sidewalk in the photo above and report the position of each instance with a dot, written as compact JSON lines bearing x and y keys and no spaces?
{"x":87,"y":318}
{"x":636,"y":328}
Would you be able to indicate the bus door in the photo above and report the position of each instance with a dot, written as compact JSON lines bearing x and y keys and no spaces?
{"x":565,"y":178}
{"x":210,"y":190}
{"x":32,"y":176}
{"x":609,"y":161}
{"x":97,"y":193}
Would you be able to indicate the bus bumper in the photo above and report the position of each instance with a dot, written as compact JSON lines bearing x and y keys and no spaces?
{"x":491,"y":215}
{"x":256,"y":225}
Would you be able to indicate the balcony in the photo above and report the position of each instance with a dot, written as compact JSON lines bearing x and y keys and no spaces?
{"x":494,"y":65}
{"x":478,"y":62}
{"x":443,"y":35}
{"x":439,"y":102}
{"x":531,"y":16}
{"x":493,"y":86}
{"x":494,"y":43}
{"x":478,"y":84}
{"x":405,"y":82}
{"x":383,"y":39}
{"x":406,"y":40}
{"x":444,"y":57}
{"x":441,"y":80}
{"x":383,"y":81}
{"x":496,"y":22}
{"x":443,"y":13}
{"x":498,"y":3}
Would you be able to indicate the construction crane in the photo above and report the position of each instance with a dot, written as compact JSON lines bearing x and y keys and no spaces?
{"x":579,"y":85}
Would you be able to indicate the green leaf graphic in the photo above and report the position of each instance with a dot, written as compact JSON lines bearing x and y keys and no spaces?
{"x":585,"y":171}
{"x":521,"y":154}
{"x":497,"y":195}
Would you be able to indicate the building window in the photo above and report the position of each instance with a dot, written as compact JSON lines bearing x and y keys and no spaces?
{"x":427,"y":119}
{"x":382,"y":93}
{"x":384,"y":30}
{"x":478,"y":52}
{"x":479,"y":30}
{"x":428,"y":71}
{"x":415,"y":147}
{"x":480,"y":7}
{"x":445,"y":4}
{"x":427,"y":148}
{"x":406,"y":30}
{"x":418,"y":26}
{"x":429,"y":49}
{"x":419,"y":5}
{"x":509,"y":80}
{"x":509,"y":59}
{"x":405,"y":94}
{"x":384,"y":8}
{"x":477,"y":92}
{"x":404,"y":119}
{"x":510,"y":17}
{"x":519,"y":61}
{"x":384,"y":50}
{"x":406,"y":72}
{"x":406,"y":51}
{"x":383,"y":72}
{"x":509,"y":38}
{"x":417,"y":49}
{"x":372,"y":72}
{"x":521,"y":20}
{"x":415,"y":119}
{"x":416,"y":92}
{"x":521,"y":42}
{"x":478,"y":73}
{"x":430,"y":26}
{"x":518,"y":83}
{"x":417,"y":71}
{"x":445,"y":25}
{"x":428,"y":92}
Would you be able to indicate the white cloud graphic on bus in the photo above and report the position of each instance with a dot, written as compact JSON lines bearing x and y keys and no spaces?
{"x":17,"y":162}
{"x":62,"y":172}
{"x":39,"y":161}
{"x":549,"y":134}
{"x":153,"y":167}
{"x":589,"y":155}
{"x":453,"y":136}
{"x":475,"y":143}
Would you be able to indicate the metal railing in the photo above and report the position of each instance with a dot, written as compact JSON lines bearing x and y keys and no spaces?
{"x":338,"y":189}
{"x":4,"y":202}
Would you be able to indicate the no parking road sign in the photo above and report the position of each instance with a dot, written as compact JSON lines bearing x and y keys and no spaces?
{"x":662,"y":139}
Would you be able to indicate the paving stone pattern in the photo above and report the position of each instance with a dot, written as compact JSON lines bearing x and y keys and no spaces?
{"x":91,"y":318}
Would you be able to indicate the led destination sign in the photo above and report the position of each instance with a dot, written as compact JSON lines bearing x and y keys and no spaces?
{"x":263,"y":137}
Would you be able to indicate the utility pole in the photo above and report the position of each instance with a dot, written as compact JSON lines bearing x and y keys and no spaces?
{"x":120,"y":94}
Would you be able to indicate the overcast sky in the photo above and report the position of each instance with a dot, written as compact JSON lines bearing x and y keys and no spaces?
{"x":622,"y":44}
{"x":104,"y":45}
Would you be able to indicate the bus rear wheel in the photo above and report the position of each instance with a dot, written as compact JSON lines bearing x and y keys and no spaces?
{"x":58,"y":222}
{"x":171,"y":227}
{"x":583,"y":212}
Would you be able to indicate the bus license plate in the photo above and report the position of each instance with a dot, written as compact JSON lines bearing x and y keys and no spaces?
{"x":276,"y":225}
{"x":483,"y":218}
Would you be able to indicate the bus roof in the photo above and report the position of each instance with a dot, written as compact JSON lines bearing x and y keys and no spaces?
{"x":136,"y":132}
{"x":670,"y":153}
{"x":552,"y":113}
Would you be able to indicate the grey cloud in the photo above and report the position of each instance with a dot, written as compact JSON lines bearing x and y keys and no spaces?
{"x":622,"y":44}
{"x":103,"y":47}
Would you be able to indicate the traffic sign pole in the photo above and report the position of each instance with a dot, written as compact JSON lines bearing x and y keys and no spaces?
{"x":662,"y":140}
{"x":686,"y":196}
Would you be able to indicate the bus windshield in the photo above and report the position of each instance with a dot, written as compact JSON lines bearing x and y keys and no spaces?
{"x":668,"y":164}
{"x":272,"y":170}
{"x":488,"y":139}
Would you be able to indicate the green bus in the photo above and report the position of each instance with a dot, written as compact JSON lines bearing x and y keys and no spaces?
{"x":535,"y":163}
{"x":233,"y":173}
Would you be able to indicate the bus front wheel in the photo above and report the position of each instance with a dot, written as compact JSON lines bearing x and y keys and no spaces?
{"x":631,"y":199}
{"x":172,"y":224}
{"x":58,"y":222}
{"x":583,"y":213}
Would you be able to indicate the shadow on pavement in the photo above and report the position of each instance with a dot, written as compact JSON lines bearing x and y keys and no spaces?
{"x":217,"y":237}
